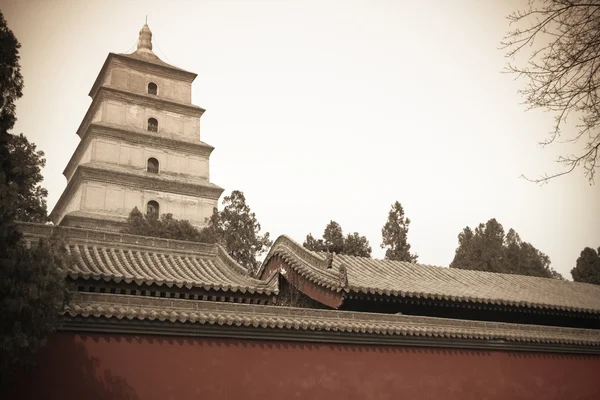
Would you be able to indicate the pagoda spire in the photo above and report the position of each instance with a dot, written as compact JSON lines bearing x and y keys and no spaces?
{"x":145,"y":40}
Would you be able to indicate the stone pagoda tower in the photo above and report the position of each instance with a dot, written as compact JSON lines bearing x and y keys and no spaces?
{"x":140,"y":146}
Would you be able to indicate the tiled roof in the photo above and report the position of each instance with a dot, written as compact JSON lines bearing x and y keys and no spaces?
{"x":163,"y":177}
{"x":287,"y":318}
{"x":395,"y":278}
{"x":151,"y":58}
{"x":108,"y":256}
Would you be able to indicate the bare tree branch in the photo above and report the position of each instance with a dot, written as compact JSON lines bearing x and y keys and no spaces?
{"x":562,"y":75}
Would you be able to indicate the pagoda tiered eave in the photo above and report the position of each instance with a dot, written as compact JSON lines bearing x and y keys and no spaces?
{"x":156,"y":66}
{"x":134,"y":137}
{"x":111,"y":93}
{"x":103,"y":173}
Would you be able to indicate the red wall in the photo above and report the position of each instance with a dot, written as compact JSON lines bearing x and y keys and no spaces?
{"x":130,"y":367}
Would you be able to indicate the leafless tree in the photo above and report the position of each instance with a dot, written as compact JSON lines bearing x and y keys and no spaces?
{"x":561,"y":42}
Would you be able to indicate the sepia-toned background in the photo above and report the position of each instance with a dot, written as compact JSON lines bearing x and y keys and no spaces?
{"x":325,"y":110}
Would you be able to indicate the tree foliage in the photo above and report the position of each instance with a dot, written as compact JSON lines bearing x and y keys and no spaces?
{"x":11,"y":80}
{"x":32,"y":293}
{"x":334,"y":241}
{"x":238,"y":230}
{"x":164,"y":227}
{"x":488,"y":248}
{"x":32,"y":280}
{"x":235,"y":228}
{"x":587,"y":268}
{"x":23,"y":197}
{"x":560,"y":41}
{"x":394,"y":236}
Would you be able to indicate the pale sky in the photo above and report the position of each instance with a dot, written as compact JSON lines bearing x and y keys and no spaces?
{"x":324,"y":110}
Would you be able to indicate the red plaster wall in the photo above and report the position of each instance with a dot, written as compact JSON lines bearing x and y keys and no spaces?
{"x":129,"y":367}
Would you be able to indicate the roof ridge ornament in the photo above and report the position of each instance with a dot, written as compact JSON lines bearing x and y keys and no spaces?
{"x":145,"y":40}
{"x":343,"y":275}
{"x":329,"y":260}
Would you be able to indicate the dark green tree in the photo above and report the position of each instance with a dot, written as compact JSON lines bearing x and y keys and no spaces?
{"x":235,"y":228}
{"x":357,"y":245}
{"x":164,"y":227}
{"x":238,"y":230}
{"x":32,"y":276}
{"x":11,"y":80}
{"x":23,"y":198}
{"x":559,"y":39}
{"x":395,"y":236}
{"x":587,"y":268}
{"x":333,"y":238}
{"x":489,"y":249}
{"x":33,"y":291}
{"x":314,"y":244}
{"x":334,"y":241}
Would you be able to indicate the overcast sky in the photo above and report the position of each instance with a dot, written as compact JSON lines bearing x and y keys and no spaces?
{"x":324,"y":110}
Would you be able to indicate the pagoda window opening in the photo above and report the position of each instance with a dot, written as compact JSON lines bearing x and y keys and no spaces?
{"x":152,"y":124}
{"x":152,"y":88}
{"x":152,"y":210}
{"x":152,"y":165}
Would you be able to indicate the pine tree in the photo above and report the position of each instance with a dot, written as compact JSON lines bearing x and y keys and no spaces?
{"x":238,"y":230}
{"x":235,"y":228}
{"x":489,"y":249}
{"x":334,"y":241}
{"x":395,"y":236}
{"x":357,"y":245}
{"x":314,"y":244}
{"x":333,"y":238}
{"x":164,"y":227}
{"x":587,"y":268}
{"x":32,"y":278}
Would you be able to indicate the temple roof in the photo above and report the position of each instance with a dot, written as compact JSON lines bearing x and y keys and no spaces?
{"x":359,"y":275}
{"x":115,"y":257}
{"x":107,"y":257}
{"x":327,"y":324}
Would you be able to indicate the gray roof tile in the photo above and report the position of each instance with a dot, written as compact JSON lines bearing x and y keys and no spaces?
{"x":109,"y":256}
{"x":395,"y":278}
{"x":287,"y":318}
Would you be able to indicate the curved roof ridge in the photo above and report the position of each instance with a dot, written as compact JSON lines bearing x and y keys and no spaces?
{"x":235,"y":271}
{"x":307,"y":263}
{"x":285,"y":239}
{"x":151,"y":261}
{"x":399,"y":278}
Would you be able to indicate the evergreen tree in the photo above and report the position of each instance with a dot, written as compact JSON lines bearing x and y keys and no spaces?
{"x":489,"y":249}
{"x":395,"y":236}
{"x":33,"y":291}
{"x":32,"y":279}
{"x":314,"y":244}
{"x":333,"y":238}
{"x":11,"y":80}
{"x":164,"y":227}
{"x":587,"y":268}
{"x":238,"y":230}
{"x":235,"y":228}
{"x":356,"y":245}
{"x":334,"y":241}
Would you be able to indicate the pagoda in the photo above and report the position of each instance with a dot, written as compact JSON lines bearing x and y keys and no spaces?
{"x":140,"y":147}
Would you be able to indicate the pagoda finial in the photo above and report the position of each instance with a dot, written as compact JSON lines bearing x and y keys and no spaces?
{"x":145,"y":40}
